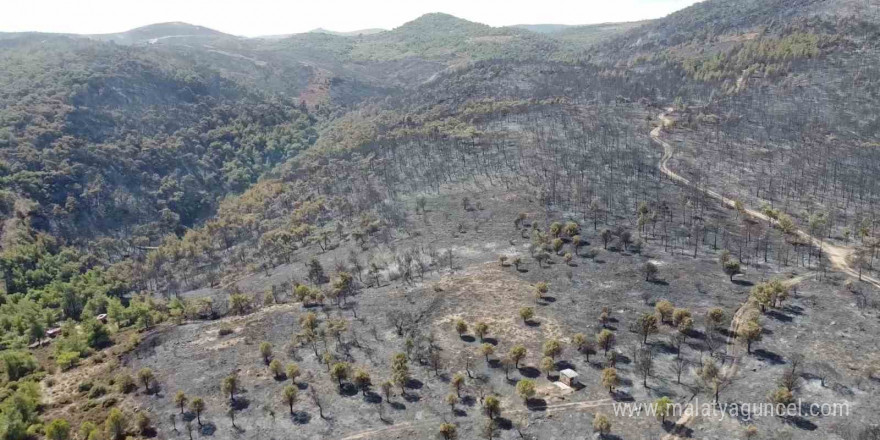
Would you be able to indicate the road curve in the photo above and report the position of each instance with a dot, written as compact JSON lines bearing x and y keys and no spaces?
{"x":837,"y":255}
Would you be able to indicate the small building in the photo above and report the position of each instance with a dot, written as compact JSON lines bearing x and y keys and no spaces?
{"x":102,"y":317}
{"x":568,"y":377}
{"x":53,"y":332}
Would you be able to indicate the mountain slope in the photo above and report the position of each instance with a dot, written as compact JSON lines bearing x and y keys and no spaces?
{"x":105,"y":137}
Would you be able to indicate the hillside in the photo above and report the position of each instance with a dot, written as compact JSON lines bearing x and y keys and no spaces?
{"x":446,"y":230}
{"x":104,"y":138}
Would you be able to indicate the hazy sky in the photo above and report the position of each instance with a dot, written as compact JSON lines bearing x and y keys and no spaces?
{"x":265,"y":17}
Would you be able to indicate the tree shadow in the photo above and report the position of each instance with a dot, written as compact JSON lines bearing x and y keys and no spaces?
{"x":548,"y":299}
{"x":769,"y":356}
{"x":468,"y":401}
{"x":696,"y":334}
{"x":280,"y":378}
{"x":371,"y":397}
{"x":563,"y":364}
{"x":622,"y":396}
{"x":155,"y":390}
{"x":240,"y":403}
{"x":494,"y":363}
{"x":468,"y":338}
{"x":150,"y":432}
{"x":492,"y":341}
{"x":503,"y":423}
{"x":659,"y":282}
{"x":411,"y":397}
{"x":533,"y":323}
{"x":744,"y":283}
{"x":414,"y":384}
{"x":800,"y":423}
{"x":302,"y":386}
{"x":207,"y":429}
{"x":793,"y":309}
{"x":188,"y":416}
{"x":664,"y":347}
{"x":397,"y":405}
{"x":781,"y":317}
{"x":348,"y":390}
{"x":459,"y":413}
{"x":530,"y":372}
{"x":300,"y":418}
{"x":681,"y":431}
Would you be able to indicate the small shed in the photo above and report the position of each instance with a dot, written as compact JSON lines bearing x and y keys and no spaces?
{"x":53,"y":332}
{"x":102,"y":318}
{"x":568,"y":377}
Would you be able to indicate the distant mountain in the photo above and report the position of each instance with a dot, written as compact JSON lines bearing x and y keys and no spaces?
{"x":446,"y":38}
{"x":348,"y":34}
{"x":327,"y":32}
{"x":544,"y":28}
{"x":582,"y":35}
{"x":161,"y":31}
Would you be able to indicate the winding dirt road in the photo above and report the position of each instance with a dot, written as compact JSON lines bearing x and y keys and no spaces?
{"x":838,"y":255}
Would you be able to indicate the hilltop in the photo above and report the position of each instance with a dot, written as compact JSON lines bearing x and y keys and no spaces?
{"x":161,"y":31}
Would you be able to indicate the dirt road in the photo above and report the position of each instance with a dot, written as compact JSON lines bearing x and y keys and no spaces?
{"x":839,"y":256}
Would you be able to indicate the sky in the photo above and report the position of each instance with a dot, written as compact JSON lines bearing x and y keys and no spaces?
{"x":268,"y":17}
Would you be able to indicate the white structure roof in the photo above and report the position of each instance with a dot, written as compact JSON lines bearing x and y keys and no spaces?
{"x":568,"y":372}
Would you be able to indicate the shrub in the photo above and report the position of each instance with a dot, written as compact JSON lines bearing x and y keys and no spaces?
{"x":276,"y":368}
{"x":17,"y":364}
{"x":114,"y":425}
{"x":97,"y":391}
{"x":142,"y":422}
{"x":85,"y":386}
{"x":124,"y":383}
{"x":67,"y":360}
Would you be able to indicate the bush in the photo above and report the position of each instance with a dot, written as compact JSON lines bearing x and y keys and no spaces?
{"x":225,"y":329}
{"x":142,"y":421}
{"x":85,"y":386}
{"x":17,"y":364}
{"x":114,"y":425}
{"x":124,"y":383}
{"x":109,"y":402}
{"x":59,"y":429}
{"x":97,"y":391}
{"x":67,"y":360}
